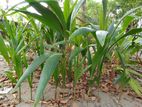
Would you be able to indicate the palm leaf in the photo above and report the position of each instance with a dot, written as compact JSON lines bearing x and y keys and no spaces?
{"x":3,"y":49}
{"x":47,"y":16}
{"x":81,"y":31}
{"x":31,"y":68}
{"x":48,"y":70}
{"x":75,"y":11}
{"x":135,"y":86}
{"x":67,"y":9}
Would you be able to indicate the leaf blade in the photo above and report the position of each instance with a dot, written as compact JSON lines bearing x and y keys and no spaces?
{"x":31,"y":68}
{"x":48,"y":69}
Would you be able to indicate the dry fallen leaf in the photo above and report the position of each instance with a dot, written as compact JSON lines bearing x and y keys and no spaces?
{"x":69,"y":85}
{"x":93,"y":98}
{"x":64,"y":101}
{"x":104,"y":88}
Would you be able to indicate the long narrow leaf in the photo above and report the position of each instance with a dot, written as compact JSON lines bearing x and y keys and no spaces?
{"x":3,"y":49}
{"x":81,"y":31}
{"x":51,"y":19}
{"x":75,"y":11}
{"x":48,"y":70}
{"x":67,"y":9}
{"x":31,"y":68}
{"x":57,"y":9}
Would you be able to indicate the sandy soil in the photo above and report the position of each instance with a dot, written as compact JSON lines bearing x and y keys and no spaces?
{"x":100,"y":99}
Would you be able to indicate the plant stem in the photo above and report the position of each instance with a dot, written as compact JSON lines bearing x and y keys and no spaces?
{"x":74,"y":91}
{"x":56,"y":92}
{"x":19,"y":94}
{"x":31,"y":92}
{"x":31,"y":86}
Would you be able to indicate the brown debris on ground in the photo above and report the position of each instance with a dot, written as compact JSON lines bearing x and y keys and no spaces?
{"x":66,"y":96}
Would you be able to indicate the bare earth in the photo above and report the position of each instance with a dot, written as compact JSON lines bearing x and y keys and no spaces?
{"x":101,"y":99}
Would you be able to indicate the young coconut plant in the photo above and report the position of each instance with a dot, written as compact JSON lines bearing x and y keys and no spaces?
{"x":59,"y":25}
{"x":106,"y":39}
{"x":13,"y":48}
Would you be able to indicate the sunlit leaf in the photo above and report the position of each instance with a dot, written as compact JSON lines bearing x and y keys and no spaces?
{"x":101,"y":35}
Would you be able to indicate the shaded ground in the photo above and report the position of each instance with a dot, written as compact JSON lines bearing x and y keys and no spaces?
{"x":64,"y":98}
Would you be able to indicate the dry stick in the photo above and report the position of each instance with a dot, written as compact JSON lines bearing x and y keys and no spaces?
{"x":88,"y":91}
